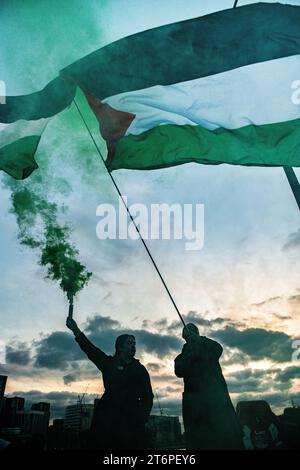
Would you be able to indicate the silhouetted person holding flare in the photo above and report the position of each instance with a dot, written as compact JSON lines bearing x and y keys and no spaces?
{"x":123,"y":410}
{"x":209,"y":418}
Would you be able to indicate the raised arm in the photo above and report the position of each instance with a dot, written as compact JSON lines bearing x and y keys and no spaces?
{"x":183,"y":362}
{"x":96,"y":355}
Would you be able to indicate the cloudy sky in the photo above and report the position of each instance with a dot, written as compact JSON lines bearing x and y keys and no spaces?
{"x":242,"y":288}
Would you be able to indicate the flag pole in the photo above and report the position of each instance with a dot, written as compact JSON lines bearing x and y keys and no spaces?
{"x":130,"y":216}
{"x":294,"y":183}
{"x":289,"y":171}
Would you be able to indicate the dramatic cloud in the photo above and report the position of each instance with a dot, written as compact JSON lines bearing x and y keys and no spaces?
{"x":233,"y":358}
{"x":159,"y":325}
{"x":60,"y":352}
{"x":192,"y":316}
{"x":70,"y":378}
{"x":160,"y":345}
{"x":172,"y":390}
{"x":265,"y":302}
{"x":57,"y":350}
{"x":282,"y":317}
{"x":246,"y":381}
{"x":276,"y":400}
{"x":295,"y":298}
{"x":257,"y":381}
{"x":166,"y":378}
{"x":288,"y":374}
{"x":49,"y":362}
{"x":168,"y":406}
{"x":257,"y":343}
{"x":19,"y":371}
{"x":103,"y":331}
{"x":153,"y":367}
{"x":293,"y":241}
{"x":99,"y":323}
{"x":18,"y":353}
{"x":196,"y":317}
{"x":82,"y":371}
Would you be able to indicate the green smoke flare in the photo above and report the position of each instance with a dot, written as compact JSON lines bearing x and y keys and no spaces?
{"x":39,"y":228}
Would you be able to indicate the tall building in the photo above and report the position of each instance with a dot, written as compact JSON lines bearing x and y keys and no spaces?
{"x":45,"y":409}
{"x":58,"y":424}
{"x":3,"y":379}
{"x":41,"y":406}
{"x":36,"y":420}
{"x":78,"y":417}
{"x":56,"y":435}
{"x":31,"y":422}
{"x":35,"y":423}
{"x":13,"y":411}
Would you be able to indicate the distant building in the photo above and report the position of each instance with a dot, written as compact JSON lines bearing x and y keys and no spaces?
{"x":15,"y":420}
{"x":41,"y":406}
{"x":164,"y":432}
{"x":56,"y":435}
{"x":3,"y":379}
{"x":290,"y":427}
{"x":78,"y":417}
{"x":292,"y":415}
{"x":45,"y":409}
{"x":58,"y":424}
{"x":26,"y":429}
{"x":35,"y":423}
{"x":12,"y":412}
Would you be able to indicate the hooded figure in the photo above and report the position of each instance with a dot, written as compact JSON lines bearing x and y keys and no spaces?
{"x":121,"y":413}
{"x":209,"y":418}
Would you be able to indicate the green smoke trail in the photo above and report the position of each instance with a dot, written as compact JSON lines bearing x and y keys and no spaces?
{"x":39,"y":228}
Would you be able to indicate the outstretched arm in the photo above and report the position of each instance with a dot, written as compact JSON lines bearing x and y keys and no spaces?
{"x":72,"y":325}
{"x":96,"y":355}
{"x":183,"y":362}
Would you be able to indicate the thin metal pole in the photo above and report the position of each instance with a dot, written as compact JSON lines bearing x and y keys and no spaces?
{"x":294,"y":183}
{"x":129,"y":214}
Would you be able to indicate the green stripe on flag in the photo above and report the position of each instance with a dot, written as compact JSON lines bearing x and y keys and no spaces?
{"x":167,"y":145}
{"x":52,"y":99}
{"x":190,"y":49}
{"x":17,"y":158}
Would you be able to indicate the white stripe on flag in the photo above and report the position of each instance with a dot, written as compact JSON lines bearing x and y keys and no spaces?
{"x":11,"y":132}
{"x":255,"y":94}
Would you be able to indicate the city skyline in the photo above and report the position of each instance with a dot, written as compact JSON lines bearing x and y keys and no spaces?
{"x":29,"y":427}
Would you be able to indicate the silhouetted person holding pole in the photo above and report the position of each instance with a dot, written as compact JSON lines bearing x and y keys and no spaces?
{"x":209,"y":418}
{"x":121,"y":413}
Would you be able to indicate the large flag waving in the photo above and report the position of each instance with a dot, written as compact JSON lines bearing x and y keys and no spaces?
{"x":215,"y":89}
{"x":23,"y":120}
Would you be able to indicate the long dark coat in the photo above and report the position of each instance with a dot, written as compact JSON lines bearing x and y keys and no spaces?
{"x":121,"y":413}
{"x":209,"y":418}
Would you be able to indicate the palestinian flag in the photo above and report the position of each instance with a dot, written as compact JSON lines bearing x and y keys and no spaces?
{"x":23,"y":119}
{"x":215,"y":89}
